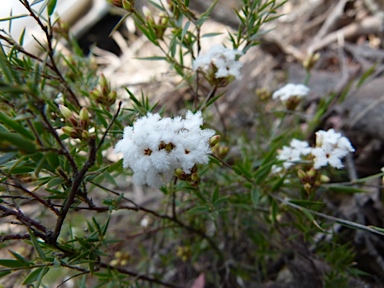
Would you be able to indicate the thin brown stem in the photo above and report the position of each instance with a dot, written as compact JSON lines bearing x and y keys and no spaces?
{"x":47,"y":29}
{"x":110,"y":125}
{"x":138,"y":276}
{"x":64,"y":150}
{"x":18,"y":185}
{"x":78,"y":179}
{"x":27,"y":221}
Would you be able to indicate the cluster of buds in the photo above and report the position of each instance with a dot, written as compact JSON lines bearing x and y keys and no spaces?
{"x":192,"y":177}
{"x":104,"y":95}
{"x":62,"y":28}
{"x":128,"y":5}
{"x":263,"y":94}
{"x":120,"y":259}
{"x":77,"y":125}
{"x":217,"y":149}
{"x":310,"y":61}
{"x":312,"y":179}
{"x":159,"y":25}
{"x":184,"y":252}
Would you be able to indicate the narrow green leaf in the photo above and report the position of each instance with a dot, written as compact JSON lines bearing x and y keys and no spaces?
{"x":345,"y":189}
{"x":4,"y":272}
{"x":10,"y":263}
{"x":204,"y":17}
{"x":9,"y":140}
{"x":185,"y":30}
{"x":310,"y":217}
{"x":198,"y":209}
{"x":6,"y":157}
{"x":152,"y":58}
{"x":215,"y":194}
{"x":41,"y":275}
{"x":51,"y":6}
{"x":255,"y":195}
{"x":33,"y":276}
{"x":12,"y":17}
{"x":262,"y":172}
{"x":208,"y":35}
{"x":307,"y":203}
{"x":37,"y":246}
{"x":19,"y":258}
{"x":376,"y":228}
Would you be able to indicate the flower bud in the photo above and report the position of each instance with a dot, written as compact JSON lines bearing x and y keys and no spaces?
{"x":104,"y":85}
{"x":112,"y":97}
{"x":179,"y":173}
{"x":129,"y":5}
{"x":312,"y":172}
{"x":72,"y":132}
{"x":302,"y":175}
{"x":96,"y":95}
{"x":195,"y":178}
{"x":65,"y":111}
{"x":324,"y":178}
{"x":116,"y":3}
{"x":84,"y":118}
{"x":310,"y":61}
{"x":85,"y":135}
{"x":148,"y":15}
{"x":307,"y":187}
{"x":223,"y":151}
{"x":214,"y":140}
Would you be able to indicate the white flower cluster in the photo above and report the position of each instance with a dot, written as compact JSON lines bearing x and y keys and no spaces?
{"x":293,"y":153}
{"x":222,"y":60}
{"x":154,"y":147}
{"x":291,"y":90}
{"x":330,"y":148}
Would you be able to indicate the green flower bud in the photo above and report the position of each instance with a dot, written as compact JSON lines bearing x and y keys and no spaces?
{"x":85,"y":135}
{"x":65,"y":111}
{"x":214,"y":140}
{"x":302,"y":175}
{"x":112,"y":97}
{"x":104,"y":85}
{"x":195,"y":178}
{"x":84,"y":118}
{"x":324,"y":178}
{"x":308,"y":187}
{"x":179,"y":173}
{"x":312,"y":172}
{"x":70,"y":131}
{"x":129,"y":5}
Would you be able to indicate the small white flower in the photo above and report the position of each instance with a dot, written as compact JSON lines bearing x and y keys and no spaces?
{"x":145,"y":222}
{"x":222,"y":60}
{"x":331,"y":147}
{"x":154,"y":147}
{"x":292,"y":154}
{"x":291,"y":91}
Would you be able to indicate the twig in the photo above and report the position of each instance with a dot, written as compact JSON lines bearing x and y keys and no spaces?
{"x":47,"y":29}
{"x":330,"y":23}
{"x":366,"y":26}
{"x":78,"y":179}
{"x":14,"y":237}
{"x":58,"y":140}
{"x":110,"y":125}
{"x":21,"y":187}
{"x":138,"y":276}
{"x":29,"y":222}
{"x":286,"y":201}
